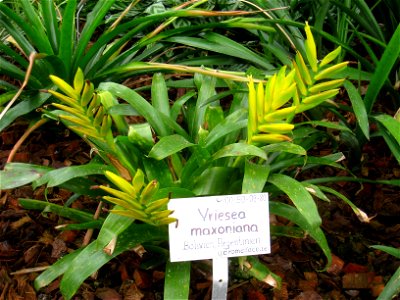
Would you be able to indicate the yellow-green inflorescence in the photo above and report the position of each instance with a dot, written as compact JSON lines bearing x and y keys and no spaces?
{"x":273,"y":105}
{"x":135,"y":199}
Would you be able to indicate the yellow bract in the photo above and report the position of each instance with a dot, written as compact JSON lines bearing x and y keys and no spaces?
{"x":273,"y":105}
{"x":137,"y":199}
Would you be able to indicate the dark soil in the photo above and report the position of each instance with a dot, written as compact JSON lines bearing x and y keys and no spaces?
{"x":29,"y":240}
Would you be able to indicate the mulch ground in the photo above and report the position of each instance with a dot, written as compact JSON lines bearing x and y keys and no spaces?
{"x":29,"y":240}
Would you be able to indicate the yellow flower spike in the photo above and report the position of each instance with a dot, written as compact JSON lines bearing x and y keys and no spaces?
{"x":156,"y":205}
{"x":270,"y":138}
{"x":330,"y":56}
{"x":159,"y":215}
{"x":303,"y":69}
{"x":132,"y":205}
{"x":279,"y":114}
{"x":134,"y":214}
{"x":328,"y":72}
{"x":149,"y":191}
{"x":138,"y":180}
{"x":98,"y":118}
{"x":121,"y":183}
{"x":252,"y":103}
{"x":280,"y":80}
{"x":67,"y":100}
{"x":311,"y":49}
{"x":87,"y":93}
{"x":289,"y":79}
{"x":299,"y":80}
{"x":320,"y":97}
{"x":106,"y":125}
{"x":94,"y":103}
{"x":269,"y":94}
{"x":65,"y":87}
{"x":327,"y":85}
{"x":284,"y":96}
{"x":118,"y":194}
{"x":72,"y":111}
{"x":86,"y":132}
{"x":260,"y":102}
{"x":79,"y":81}
{"x":166,"y":221}
{"x":276,"y":127}
{"x":77,"y":121}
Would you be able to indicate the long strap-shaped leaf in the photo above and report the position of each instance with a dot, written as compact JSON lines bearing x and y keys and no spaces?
{"x":94,"y":19}
{"x":67,"y":37}
{"x":388,"y":60}
{"x":300,"y":196}
{"x":177,"y":280}
{"x":51,"y":23}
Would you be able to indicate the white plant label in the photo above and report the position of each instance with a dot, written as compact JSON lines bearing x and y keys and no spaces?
{"x":219,"y":226}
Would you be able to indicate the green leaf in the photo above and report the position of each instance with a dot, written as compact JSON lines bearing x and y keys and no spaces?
{"x":81,"y":265}
{"x":391,"y":124}
{"x":18,"y":174}
{"x":359,"y":108}
{"x":240,"y":149}
{"x":326,"y":124}
{"x":67,"y":37}
{"x":169,"y":145}
{"x":206,"y":90}
{"x":94,"y":256}
{"x":392,"y":287}
{"x":211,"y":181}
{"x":260,"y":271}
{"x":23,"y":108}
{"x":387,"y":62}
{"x":7,"y":19}
{"x":299,"y":195}
{"x":159,"y":94}
{"x":36,"y":31}
{"x":233,"y":122}
{"x":47,"y":207}
{"x":285,"y":147}
{"x":255,"y":177}
{"x":220,"y":44}
{"x":93,"y":20}
{"x":141,"y":105}
{"x":177,"y":106}
{"x":50,"y":23}
{"x":292,"y":214}
{"x":392,"y":251}
{"x":390,"y":141}
{"x":315,"y":191}
{"x":56,"y":270}
{"x":59,"y":176}
{"x":177,"y":280}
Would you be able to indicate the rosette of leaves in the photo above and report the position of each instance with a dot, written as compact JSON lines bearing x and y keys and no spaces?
{"x":83,"y":110}
{"x":137,"y":199}
{"x":272,"y":106}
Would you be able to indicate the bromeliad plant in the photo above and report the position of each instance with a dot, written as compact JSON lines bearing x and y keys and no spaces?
{"x":190,"y":148}
{"x":84,"y":111}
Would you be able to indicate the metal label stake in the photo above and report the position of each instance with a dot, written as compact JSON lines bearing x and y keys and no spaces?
{"x":220,"y":278}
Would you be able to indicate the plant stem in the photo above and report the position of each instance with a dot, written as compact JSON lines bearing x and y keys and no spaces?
{"x":23,"y":138}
